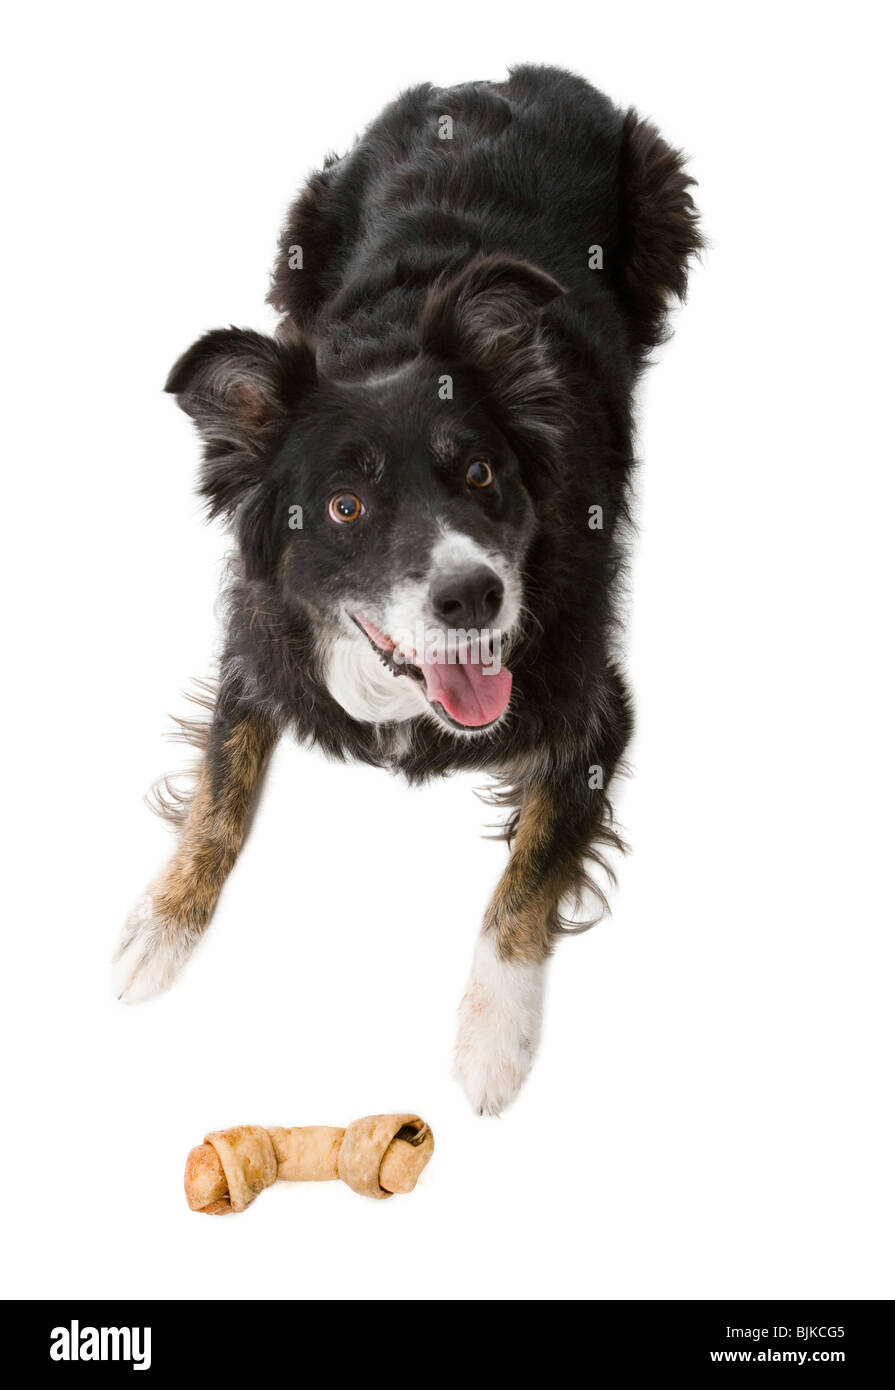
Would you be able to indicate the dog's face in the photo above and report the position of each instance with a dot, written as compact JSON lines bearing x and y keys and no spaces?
{"x":415,"y":522}
{"x":395,"y":510}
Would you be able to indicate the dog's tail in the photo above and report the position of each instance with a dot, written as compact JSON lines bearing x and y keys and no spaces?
{"x":659,"y":228}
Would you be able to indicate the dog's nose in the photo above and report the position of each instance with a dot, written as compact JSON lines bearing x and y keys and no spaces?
{"x":468,"y":598}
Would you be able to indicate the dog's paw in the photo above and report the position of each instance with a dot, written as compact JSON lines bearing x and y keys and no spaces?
{"x":500,"y":1022}
{"x":149,"y":956}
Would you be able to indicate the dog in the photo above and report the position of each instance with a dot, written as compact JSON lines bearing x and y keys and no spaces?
{"x":427,"y":474}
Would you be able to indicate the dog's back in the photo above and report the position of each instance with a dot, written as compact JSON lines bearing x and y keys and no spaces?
{"x":535,"y":167}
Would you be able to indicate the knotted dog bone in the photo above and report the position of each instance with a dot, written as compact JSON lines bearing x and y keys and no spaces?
{"x":377,"y":1156}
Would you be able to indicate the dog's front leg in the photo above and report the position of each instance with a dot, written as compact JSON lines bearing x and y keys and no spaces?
{"x":169,"y":919}
{"x":500,"y":1014}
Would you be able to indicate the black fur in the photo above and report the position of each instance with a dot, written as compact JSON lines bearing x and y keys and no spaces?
{"x":466,"y":256}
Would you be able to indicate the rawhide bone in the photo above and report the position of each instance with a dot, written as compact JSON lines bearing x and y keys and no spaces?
{"x":377,"y":1156}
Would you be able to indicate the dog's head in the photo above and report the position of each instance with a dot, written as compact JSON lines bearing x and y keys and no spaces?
{"x":396,"y":510}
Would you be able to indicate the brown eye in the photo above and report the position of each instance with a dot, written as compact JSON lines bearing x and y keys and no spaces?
{"x":346,"y":507}
{"x":479,"y":474}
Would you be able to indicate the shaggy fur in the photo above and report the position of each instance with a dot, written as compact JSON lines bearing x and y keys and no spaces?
{"x":529,"y":259}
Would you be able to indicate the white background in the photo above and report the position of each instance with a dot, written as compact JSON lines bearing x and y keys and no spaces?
{"x":710,"y":1115}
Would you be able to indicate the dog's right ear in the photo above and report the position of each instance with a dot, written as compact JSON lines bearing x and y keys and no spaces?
{"x":489,"y":314}
{"x":240,"y":388}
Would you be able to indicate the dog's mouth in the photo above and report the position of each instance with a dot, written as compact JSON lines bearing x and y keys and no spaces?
{"x":464,"y":693}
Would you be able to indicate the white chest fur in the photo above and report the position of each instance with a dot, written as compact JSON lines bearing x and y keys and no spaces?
{"x":367,"y":690}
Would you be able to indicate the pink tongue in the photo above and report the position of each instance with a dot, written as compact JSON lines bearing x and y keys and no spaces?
{"x":468,"y":693}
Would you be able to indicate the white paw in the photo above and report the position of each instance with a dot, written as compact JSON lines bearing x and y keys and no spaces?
{"x":149,"y":956}
{"x":500,"y":1022}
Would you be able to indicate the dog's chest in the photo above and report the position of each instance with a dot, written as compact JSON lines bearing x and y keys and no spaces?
{"x":368,"y":691}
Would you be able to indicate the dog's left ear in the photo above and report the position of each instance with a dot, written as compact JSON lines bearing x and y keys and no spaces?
{"x":659,"y":228}
{"x":240,"y":387}
{"x":488,"y":315}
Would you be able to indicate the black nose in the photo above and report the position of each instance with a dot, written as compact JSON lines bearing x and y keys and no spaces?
{"x":468,"y":598}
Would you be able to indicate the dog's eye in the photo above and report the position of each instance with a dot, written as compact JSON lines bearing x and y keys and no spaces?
{"x":479,"y":474}
{"x":346,"y":507}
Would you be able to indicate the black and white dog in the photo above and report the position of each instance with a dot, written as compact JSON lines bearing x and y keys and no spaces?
{"x":427,"y":473}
